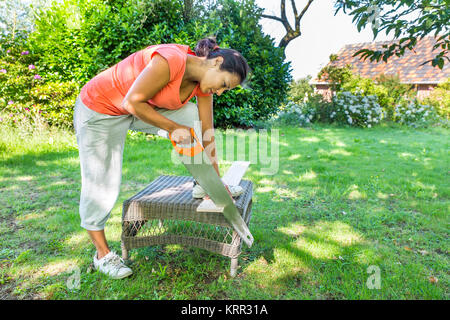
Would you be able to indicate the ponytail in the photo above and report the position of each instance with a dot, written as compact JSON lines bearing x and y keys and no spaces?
{"x":233,"y":61}
{"x":205,"y":46}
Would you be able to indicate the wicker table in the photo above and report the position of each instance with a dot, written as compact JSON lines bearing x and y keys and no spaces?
{"x":165,"y":213}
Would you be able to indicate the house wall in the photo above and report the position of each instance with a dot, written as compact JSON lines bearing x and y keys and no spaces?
{"x":324,"y":90}
{"x":424,"y":90}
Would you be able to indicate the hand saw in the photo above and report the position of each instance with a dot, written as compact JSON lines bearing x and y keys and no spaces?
{"x":199,"y":165}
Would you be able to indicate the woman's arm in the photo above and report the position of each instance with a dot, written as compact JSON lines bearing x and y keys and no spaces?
{"x":205,"y":113}
{"x":150,"y":81}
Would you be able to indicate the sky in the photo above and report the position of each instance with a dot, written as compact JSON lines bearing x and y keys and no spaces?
{"x":323,"y":33}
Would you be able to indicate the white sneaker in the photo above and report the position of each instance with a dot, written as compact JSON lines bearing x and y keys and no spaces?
{"x":112,"y":265}
{"x":198,"y":192}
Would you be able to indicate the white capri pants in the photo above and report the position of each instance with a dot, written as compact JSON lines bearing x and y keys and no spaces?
{"x":101,"y":140}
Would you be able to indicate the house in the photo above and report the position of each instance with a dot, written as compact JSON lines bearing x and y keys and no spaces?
{"x":407,"y":67}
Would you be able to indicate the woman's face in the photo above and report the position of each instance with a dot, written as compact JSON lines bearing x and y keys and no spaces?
{"x":216,"y":80}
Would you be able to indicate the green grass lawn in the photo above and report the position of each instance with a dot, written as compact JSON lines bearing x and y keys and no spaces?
{"x":343,"y":200}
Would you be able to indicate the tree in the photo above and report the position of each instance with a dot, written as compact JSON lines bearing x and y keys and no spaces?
{"x":193,"y":9}
{"x":291,"y":33}
{"x":187,"y":10}
{"x":429,"y":17}
{"x":236,"y":25}
{"x":15,"y":18}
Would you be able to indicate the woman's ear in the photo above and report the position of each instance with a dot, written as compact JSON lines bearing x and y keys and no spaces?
{"x":218,"y":61}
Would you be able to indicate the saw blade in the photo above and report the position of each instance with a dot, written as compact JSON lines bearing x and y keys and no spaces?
{"x":199,"y":165}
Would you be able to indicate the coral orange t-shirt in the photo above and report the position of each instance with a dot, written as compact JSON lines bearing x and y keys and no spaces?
{"x":105,"y":92}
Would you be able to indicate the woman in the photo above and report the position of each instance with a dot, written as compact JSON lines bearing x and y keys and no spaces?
{"x":148,"y":91}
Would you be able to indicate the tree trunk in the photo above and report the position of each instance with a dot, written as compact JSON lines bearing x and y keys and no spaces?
{"x":187,"y":10}
{"x":291,"y":33}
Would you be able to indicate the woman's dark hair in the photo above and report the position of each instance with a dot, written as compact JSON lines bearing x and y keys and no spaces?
{"x":233,"y":61}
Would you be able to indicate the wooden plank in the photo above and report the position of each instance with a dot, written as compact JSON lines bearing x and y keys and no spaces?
{"x":232,"y":177}
{"x":235,"y":173}
{"x":208,"y":205}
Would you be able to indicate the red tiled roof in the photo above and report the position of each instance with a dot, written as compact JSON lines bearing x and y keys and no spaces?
{"x":407,"y":67}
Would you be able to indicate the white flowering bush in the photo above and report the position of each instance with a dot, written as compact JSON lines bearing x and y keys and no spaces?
{"x":413,"y":113}
{"x":296,"y":114}
{"x":356,"y":109}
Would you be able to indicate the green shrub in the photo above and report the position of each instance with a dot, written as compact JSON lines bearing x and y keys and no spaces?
{"x":322,"y":108}
{"x":388,"y":91}
{"x":439,"y":98}
{"x":356,"y":109}
{"x":26,"y":94}
{"x":77,"y":39}
{"x":74,"y":40}
{"x":313,"y":108}
{"x":293,"y":114}
{"x":300,"y":90}
{"x":51,"y":103}
{"x":56,"y":100}
{"x":19,"y":72}
{"x":412,"y":113}
{"x":394,"y":91}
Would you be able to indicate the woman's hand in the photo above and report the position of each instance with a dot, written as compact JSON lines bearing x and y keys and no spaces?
{"x":182,"y":135}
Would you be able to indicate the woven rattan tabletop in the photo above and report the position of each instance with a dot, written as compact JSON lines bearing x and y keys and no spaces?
{"x":170,"y":197}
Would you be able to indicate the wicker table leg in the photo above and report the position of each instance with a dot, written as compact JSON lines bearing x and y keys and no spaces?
{"x":233,"y":267}
{"x":124,"y":251}
{"x":236,"y":240}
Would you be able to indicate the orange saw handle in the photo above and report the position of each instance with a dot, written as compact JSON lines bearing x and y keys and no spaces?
{"x":188,"y":151}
